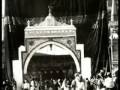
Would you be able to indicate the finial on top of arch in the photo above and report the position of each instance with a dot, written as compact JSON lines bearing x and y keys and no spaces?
{"x":71,"y":21}
{"x":28,"y":23}
{"x":50,"y":9}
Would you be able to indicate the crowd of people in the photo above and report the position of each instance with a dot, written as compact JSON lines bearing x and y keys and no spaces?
{"x":9,"y":85}
{"x":101,"y":81}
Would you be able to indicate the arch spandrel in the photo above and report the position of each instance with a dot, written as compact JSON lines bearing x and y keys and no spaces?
{"x":68,"y":42}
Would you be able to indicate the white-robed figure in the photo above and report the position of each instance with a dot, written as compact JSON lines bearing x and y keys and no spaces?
{"x":65,"y":85}
{"x":109,"y":83}
{"x":32,"y":85}
{"x":78,"y":83}
{"x":26,"y":85}
{"x":59,"y":84}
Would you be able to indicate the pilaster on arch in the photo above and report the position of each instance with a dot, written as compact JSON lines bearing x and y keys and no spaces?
{"x":38,"y":47}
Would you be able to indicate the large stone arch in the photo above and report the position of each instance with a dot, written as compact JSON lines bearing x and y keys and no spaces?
{"x":47,"y":43}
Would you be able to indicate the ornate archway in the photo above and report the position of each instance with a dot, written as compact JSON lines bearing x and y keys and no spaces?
{"x":54,"y":43}
{"x":48,"y":32}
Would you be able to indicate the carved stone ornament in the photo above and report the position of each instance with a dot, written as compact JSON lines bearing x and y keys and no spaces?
{"x":69,"y":42}
{"x":31,"y":43}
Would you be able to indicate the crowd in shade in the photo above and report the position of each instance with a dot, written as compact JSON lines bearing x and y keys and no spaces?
{"x":101,"y":81}
{"x":9,"y":85}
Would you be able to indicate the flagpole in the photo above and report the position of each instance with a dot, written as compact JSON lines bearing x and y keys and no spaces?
{"x":3,"y":18}
{"x":111,"y":39}
{"x":112,"y":11}
{"x":111,"y":31}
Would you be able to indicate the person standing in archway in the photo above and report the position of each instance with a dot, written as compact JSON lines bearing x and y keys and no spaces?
{"x":32,"y":84}
{"x":109,"y":83}
{"x":26,"y":85}
{"x":65,"y":84}
{"x":78,"y":83}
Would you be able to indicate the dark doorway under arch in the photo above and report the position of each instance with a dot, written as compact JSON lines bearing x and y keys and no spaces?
{"x":51,"y":67}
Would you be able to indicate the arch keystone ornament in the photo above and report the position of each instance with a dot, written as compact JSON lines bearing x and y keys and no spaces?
{"x":50,"y":32}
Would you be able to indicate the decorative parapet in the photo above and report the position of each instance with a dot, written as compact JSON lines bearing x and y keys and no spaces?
{"x":50,"y":27}
{"x":57,"y":31}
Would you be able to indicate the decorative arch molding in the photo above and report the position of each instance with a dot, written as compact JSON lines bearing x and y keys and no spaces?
{"x":29,"y":56}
